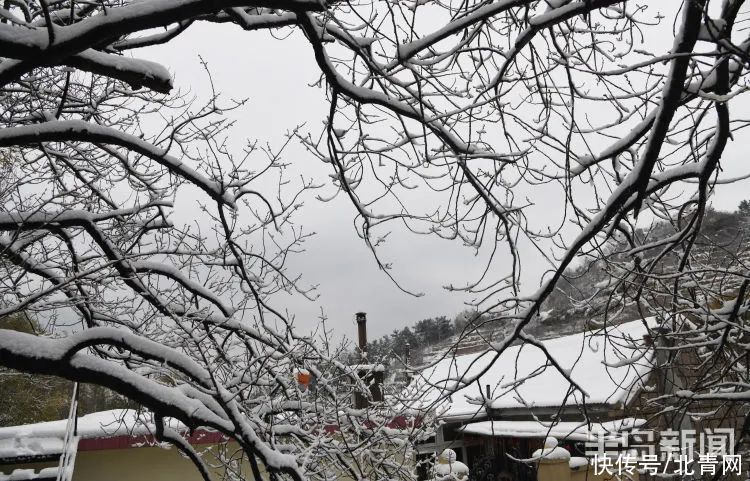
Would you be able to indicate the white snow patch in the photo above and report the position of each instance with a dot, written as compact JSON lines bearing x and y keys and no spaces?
{"x":610,"y":370}
{"x":572,"y":430}
{"x":47,"y":437}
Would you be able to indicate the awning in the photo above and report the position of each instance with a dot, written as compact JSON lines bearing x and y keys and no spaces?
{"x":572,"y":430}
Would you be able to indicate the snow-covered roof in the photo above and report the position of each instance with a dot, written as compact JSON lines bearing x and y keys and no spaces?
{"x":575,"y":431}
{"x":609,"y":368}
{"x":46,"y":438}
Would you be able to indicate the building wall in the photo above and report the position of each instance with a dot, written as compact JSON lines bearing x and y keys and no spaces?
{"x":554,"y":470}
{"x":139,"y":464}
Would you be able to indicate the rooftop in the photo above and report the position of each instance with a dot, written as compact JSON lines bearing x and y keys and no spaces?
{"x":609,"y":364}
{"x":114,"y":429}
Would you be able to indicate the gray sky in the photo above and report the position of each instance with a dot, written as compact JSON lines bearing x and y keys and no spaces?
{"x":276,"y":77}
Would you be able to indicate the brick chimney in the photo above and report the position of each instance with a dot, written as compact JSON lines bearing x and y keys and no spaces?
{"x":362,"y":334}
{"x":372,"y":375}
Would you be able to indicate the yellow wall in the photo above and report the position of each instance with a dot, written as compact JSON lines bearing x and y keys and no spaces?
{"x":137,"y":464}
{"x":559,"y":470}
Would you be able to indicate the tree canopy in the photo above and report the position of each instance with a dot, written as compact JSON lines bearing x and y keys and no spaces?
{"x":459,"y":120}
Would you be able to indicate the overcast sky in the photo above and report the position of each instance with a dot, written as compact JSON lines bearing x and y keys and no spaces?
{"x":276,"y":76}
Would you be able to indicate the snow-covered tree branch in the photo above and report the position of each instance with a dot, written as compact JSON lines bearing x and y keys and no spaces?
{"x":459,"y":120}
{"x":102,"y":160}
